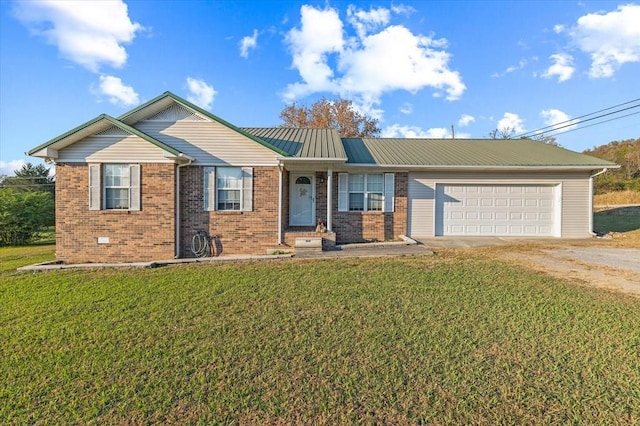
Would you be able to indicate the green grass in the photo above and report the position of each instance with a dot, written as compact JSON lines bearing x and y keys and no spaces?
{"x":442,"y":339}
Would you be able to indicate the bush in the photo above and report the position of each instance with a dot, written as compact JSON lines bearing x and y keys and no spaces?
{"x":23,"y":215}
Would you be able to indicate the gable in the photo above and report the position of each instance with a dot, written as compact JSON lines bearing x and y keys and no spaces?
{"x":171,"y":108}
{"x":208,"y":141}
{"x":175,"y":113}
{"x":113,"y":145}
{"x":102,"y":126}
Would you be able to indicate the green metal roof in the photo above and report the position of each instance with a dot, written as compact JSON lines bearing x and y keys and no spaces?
{"x":96,"y":125}
{"x":302,"y":142}
{"x":464,"y":152}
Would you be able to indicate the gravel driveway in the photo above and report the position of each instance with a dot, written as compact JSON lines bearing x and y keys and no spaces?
{"x":605,"y":267}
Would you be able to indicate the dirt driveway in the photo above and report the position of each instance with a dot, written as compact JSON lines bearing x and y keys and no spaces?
{"x":614,"y":268}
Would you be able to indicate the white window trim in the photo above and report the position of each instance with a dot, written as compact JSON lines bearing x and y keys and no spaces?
{"x":211,"y":191}
{"x":388,"y":193}
{"x":97,"y":189}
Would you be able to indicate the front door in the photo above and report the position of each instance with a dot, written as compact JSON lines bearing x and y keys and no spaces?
{"x":302,"y":200}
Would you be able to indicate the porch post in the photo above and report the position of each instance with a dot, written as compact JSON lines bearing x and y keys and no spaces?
{"x":280,"y":204}
{"x":329,"y":198}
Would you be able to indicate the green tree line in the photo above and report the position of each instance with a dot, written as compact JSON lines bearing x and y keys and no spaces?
{"x":626,"y":154}
{"x":27,"y":205}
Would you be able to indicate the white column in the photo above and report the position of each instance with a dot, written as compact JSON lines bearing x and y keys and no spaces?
{"x":329,"y":198}
{"x":280,"y":205}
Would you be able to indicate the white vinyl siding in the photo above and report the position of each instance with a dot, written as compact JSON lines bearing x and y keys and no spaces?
{"x":113,"y":149}
{"x":114,"y":187}
{"x":572,"y":215}
{"x":228,"y":188}
{"x":210,"y":143}
{"x":366,"y":192}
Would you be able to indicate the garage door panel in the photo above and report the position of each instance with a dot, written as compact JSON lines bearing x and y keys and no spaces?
{"x":525,"y":210}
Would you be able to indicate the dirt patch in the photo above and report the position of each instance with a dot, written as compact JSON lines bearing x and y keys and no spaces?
{"x":612,"y":268}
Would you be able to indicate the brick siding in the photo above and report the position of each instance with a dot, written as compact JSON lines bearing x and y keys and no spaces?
{"x":354,"y":227}
{"x":235,"y":232}
{"x":149,"y":234}
{"x":142,"y":235}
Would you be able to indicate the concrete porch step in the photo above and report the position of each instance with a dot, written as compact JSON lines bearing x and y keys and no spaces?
{"x":308,"y":244}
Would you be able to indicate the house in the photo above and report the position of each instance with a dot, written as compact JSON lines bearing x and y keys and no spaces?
{"x":140,"y":186}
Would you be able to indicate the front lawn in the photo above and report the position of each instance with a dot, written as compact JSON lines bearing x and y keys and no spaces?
{"x":446,"y":339}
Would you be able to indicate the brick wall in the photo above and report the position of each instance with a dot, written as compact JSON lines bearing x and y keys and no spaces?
{"x":237,"y":232}
{"x":148,"y":234}
{"x":142,"y":235}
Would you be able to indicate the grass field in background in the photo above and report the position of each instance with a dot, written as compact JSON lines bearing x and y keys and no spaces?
{"x":451,"y":338}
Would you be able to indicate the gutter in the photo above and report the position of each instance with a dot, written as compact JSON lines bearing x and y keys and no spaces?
{"x":190,"y":160}
{"x":435,"y":168}
{"x":593,"y":234}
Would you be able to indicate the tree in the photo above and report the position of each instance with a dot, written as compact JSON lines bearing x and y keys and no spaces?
{"x":625,"y":153}
{"x":23,"y":214}
{"x":30,"y":178}
{"x":510,"y":133}
{"x":338,"y":114}
{"x":502,"y":133}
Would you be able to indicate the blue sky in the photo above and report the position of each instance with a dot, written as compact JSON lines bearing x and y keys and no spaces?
{"x":419,"y":67}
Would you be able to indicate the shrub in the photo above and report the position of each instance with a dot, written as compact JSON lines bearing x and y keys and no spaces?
{"x":23,"y":215}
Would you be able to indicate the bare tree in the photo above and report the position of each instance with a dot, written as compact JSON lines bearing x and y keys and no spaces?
{"x":337,"y":114}
{"x":510,"y":133}
{"x":502,"y":133}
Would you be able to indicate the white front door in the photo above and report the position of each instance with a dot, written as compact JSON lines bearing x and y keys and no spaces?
{"x":302,"y":199}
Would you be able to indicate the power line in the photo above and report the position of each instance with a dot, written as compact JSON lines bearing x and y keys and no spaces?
{"x":595,"y":124}
{"x":556,"y":127}
{"x":575,"y":122}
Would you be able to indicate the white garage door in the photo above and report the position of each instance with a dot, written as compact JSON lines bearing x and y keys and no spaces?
{"x":495,"y":210}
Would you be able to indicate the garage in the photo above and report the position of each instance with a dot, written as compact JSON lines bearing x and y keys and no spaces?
{"x":495,"y":210}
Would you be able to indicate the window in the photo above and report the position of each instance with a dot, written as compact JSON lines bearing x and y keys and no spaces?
{"x":365,"y":192}
{"x":228,"y":188}
{"x":114,"y":187}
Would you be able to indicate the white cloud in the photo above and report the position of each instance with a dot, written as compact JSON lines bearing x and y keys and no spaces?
{"x":200,"y":93}
{"x":401,"y":9}
{"x":89,"y":33}
{"x":556,"y":118}
{"x":364,"y":22}
{"x":562,"y":67}
{"x":320,"y":34}
{"x":521,"y":64}
{"x":511,"y":121}
{"x":398,"y":131}
{"x":558,"y":28}
{"x":371,"y":63}
{"x":9,"y":167}
{"x":465,"y":120}
{"x":611,"y":39}
{"x":248,"y":42}
{"x":406,"y":108}
{"x":116,"y":91}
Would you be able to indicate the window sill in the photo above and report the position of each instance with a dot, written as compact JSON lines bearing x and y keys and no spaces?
{"x":227,"y":212}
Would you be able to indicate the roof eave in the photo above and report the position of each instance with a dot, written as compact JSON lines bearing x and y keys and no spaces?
{"x":42,"y":150}
{"x":580,"y":167}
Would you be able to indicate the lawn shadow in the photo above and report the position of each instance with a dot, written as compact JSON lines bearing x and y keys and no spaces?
{"x":621,"y":219}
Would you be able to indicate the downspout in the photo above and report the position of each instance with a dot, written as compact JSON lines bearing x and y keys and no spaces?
{"x":591,"y":200}
{"x":280,"y":205}
{"x":178,"y":235}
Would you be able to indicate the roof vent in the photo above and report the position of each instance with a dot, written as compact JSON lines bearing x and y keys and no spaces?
{"x":112,"y":131}
{"x":175,"y":113}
